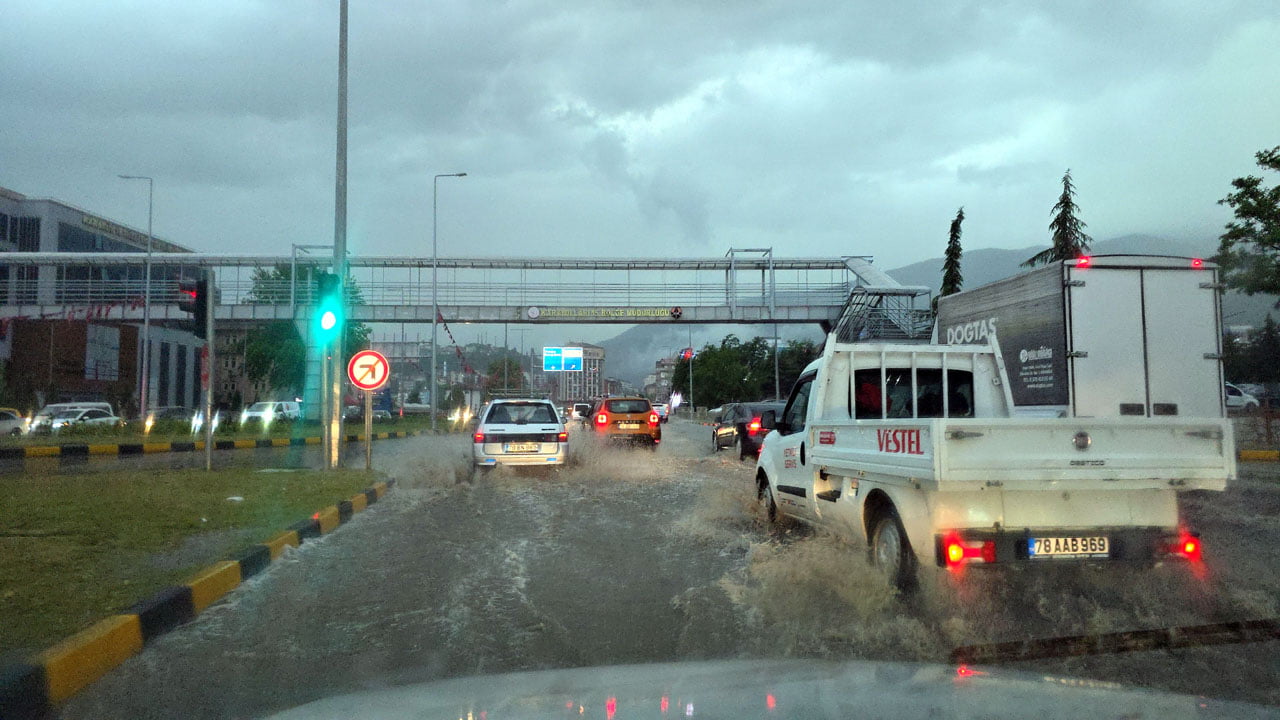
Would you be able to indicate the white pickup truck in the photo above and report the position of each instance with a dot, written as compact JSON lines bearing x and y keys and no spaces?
{"x":915,"y":449}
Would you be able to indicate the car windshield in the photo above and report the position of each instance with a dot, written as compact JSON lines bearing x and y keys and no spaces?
{"x":942,"y":297}
{"x":521,"y":413}
{"x":628,"y":406}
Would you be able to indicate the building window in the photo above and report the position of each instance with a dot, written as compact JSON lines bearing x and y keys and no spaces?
{"x":181,"y":376}
{"x":27,"y":235}
{"x":164,"y":373}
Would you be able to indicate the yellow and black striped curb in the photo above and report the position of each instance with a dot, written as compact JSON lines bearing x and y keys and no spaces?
{"x":1260,"y":455}
{"x":35,"y":688}
{"x":83,"y":449}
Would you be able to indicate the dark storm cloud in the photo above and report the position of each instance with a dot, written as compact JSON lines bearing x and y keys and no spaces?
{"x":673,"y":128}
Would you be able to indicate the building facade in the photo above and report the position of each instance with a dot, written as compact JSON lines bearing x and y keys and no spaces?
{"x":577,"y":386}
{"x":88,"y":354}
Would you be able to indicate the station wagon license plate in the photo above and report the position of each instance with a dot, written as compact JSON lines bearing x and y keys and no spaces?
{"x":522,"y":447}
{"x":629,"y":425}
{"x":1068,"y":547}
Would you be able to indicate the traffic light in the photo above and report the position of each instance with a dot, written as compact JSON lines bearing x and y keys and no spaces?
{"x":193,"y":297}
{"x":329,"y":314}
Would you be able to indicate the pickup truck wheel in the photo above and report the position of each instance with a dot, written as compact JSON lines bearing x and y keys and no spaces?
{"x":890,"y":551}
{"x":768,"y":508}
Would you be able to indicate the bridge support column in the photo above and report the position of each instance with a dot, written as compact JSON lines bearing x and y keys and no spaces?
{"x":313,"y":378}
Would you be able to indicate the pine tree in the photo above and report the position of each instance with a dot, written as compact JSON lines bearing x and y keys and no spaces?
{"x":952,"y":280}
{"x":1069,"y":238}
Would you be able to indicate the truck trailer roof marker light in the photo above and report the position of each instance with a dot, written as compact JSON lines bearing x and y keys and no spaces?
{"x":1197,"y":263}
{"x":1083,"y":261}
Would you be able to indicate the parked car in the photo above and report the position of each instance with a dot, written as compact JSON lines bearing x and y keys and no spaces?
{"x":519,"y":431}
{"x":42,"y":420}
{"x":739,"y":426}
{"x":627,"y":419}
{"x":83,"y":416}
{"x":1238,"y":399}
{"x":12,"y":422}
{"x":270,"y":411}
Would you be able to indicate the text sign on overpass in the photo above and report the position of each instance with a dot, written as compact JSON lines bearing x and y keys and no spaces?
{"x":482,"y":290}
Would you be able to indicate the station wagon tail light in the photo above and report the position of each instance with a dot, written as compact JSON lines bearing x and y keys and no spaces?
{"x":653,"y":418}
{"x":957,"y":551}
{"x":602,"y":419}
{"x":479,"y":437}
{"x":754,"y":426}
{"x":562,"y":437}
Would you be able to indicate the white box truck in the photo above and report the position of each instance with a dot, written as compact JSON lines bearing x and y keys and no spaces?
{"x":1101,"y":336}
{"x":919,"y":450}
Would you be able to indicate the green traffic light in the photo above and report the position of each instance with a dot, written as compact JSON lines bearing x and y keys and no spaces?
{"x":328,"y":319}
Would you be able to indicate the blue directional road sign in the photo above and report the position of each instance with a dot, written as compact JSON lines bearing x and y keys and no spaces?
{"x":562,"y":359}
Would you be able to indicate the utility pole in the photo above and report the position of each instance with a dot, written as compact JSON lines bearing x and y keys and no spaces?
{"x":333,"y":377}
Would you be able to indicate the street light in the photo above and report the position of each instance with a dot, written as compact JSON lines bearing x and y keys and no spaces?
{"x":143,"y":394}
{"x":435,"y":302}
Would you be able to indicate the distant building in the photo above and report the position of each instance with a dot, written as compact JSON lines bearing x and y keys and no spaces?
{"x":75,"y":357}
{"x":657,"y":384}
{"x":575,"y":386}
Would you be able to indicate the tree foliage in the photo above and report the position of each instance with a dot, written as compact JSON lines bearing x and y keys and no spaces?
{"x":1255,"y":361}
{"x":737,"y":371}
{"x":276,"y":354}
{"x":513,"y":377}
{"x":1069,"y":238}
{"x":1249,"y":251}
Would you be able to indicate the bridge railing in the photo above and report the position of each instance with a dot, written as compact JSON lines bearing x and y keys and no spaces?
{"x":398,"y":293}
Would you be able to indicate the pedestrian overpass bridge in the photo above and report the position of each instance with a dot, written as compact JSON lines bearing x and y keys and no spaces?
{"x":744,"y":286}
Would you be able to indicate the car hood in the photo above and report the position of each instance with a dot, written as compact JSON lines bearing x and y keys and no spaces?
{"x":772,"y":689}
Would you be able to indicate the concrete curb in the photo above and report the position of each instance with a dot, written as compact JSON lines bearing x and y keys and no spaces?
{"x":83,"y":449}
{"x":34,"y":689}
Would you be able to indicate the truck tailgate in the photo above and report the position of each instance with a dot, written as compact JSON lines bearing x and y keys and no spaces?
{"x":1119,"y":453}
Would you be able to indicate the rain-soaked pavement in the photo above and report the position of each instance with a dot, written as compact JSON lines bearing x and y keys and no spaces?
{"x":629,"y":556}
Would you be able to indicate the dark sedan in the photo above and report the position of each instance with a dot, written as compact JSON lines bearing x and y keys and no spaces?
{"x":739,"y":426}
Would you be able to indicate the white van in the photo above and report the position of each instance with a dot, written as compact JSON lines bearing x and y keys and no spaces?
{"x":270,"y":411}
{"x":42,"y":421}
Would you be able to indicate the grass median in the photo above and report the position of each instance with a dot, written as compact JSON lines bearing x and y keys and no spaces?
{"x":76,"y":548}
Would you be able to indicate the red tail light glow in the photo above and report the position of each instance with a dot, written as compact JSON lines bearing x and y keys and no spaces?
{"x":1197,"y":263}
{"x":602,"y":419}
{"x":562,"y":437}
{"x":754,"y":426}
{"x":653,"y":418}
{"x":479,"y":437}
{"x":1083,"y":261}
{"x":957,"y":551}
{"x":1188,"y":546}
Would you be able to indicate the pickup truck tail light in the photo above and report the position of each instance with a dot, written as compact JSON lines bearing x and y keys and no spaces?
{"x":753,"y":427}
{"x":957,"y":551}
{"x":602,"y":419}
{"x":1186,"y":546}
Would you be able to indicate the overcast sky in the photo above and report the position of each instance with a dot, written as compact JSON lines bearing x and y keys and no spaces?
{"x":649,"y":128}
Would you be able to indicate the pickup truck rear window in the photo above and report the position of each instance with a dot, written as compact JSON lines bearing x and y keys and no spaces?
{"x":896,"y":400}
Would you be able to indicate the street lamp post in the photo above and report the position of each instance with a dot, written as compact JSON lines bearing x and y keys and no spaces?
{"x":144,"y":390}
{"x":435,"y":299}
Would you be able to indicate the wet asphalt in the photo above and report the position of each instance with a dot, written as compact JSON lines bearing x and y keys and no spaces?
{"x":632,"y":556}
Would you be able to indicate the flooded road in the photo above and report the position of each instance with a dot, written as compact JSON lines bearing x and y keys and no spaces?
{"x":630,"y":556}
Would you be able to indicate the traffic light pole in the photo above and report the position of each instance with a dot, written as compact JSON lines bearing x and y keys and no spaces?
{"x":333,"y":378}
{"x":213,"y":376}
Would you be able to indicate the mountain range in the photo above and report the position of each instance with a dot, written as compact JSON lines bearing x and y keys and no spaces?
{"x":630,"y":354}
